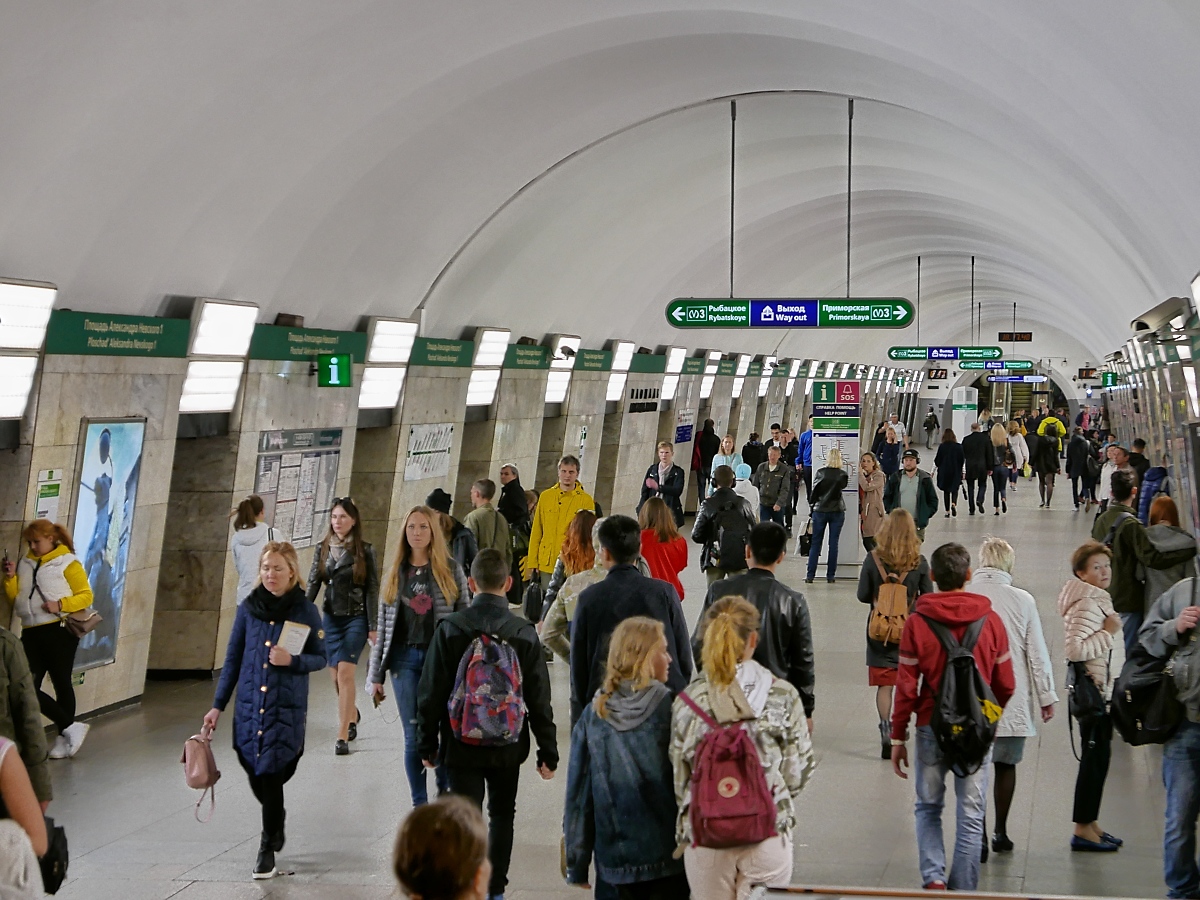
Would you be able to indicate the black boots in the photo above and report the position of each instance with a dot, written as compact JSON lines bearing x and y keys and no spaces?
{"x":265,"y":866}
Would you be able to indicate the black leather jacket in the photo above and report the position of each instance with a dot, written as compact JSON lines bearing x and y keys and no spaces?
{"x":827,"y":490}
{"x":342,"y":596}
{"x":704,"y":531}
{"x":785,"y":643}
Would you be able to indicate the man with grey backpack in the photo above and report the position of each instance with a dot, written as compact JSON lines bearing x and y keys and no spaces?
{"x":1170,"y":630}
{"x":484,"y":688}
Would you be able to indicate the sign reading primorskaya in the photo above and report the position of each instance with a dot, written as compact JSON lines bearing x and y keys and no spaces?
{"x":852,"y":312}
{"x":73,"y":333}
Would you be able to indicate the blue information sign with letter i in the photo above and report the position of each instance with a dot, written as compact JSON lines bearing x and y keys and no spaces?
{"x":334,"y":370}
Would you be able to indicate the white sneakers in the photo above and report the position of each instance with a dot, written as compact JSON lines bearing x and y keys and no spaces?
{"x":68,"y":743}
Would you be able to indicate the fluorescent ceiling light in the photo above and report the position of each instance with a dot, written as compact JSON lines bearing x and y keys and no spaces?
{"x":829,"y":369}
{"x":845,"y":370}
{"x":616,"y":386}
{"x":675,"y":358}
{"x":790,"y":388}
{"x":491,"y":345}
{"x":16,"y":380}
{"x":737,"y":387}
{"x":622,"y":357}
{"x":381,"y":387}
{"x":211,"y":386}
{"x":706,"y":386}
{"x":794,"y":369}
{"x":713,"y":360}
{"x":24,"y":313}
{"x":808,"y":387}
{"x":871,"y":373}
{"x":390,"y":341}
{"x":1189,"y":375}
{"x":764,"y":383}
{"x":560,"y":359}
{"x":481,"y":389}
{"x":557,"y":383}
{"x":670,"y":385}
{"x":743,"y":365}
{"x":223,"y":328}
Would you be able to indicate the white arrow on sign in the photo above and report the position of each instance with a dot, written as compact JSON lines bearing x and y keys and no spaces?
{"x":901,"y":312}
{"x":678,"y":314}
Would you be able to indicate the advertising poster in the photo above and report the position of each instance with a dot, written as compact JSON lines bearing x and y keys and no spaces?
{"x":107,"y":494}
{"x":296,"y":477}
{"x":428,"y":451}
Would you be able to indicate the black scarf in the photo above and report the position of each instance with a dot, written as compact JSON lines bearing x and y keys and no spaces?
{"x":264,"y":605}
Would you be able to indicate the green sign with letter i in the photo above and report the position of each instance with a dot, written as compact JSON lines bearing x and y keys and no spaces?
{"x":335,"y":370}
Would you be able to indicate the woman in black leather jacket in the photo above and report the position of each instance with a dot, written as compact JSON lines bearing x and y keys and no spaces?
{"x":665,"y":479}
{"x":828,"y":511}
{"x":345,"y":564}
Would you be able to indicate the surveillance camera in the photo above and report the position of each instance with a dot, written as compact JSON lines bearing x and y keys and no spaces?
{"x":1161,"y":315}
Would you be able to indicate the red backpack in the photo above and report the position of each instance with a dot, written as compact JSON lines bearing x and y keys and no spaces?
{"x":731,"y":803}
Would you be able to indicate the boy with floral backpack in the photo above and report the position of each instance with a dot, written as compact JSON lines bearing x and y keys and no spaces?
{"x":484,"y":688}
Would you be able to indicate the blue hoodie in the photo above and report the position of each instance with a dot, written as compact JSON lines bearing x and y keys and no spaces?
{"x":806,"y":448}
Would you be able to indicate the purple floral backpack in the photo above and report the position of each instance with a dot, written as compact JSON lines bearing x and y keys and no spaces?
{"x":487,"y":704}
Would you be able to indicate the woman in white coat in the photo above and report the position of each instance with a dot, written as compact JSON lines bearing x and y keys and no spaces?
{"x":1020,"y":451}
{"x":250,"y":535}
{"x":1031,"y":670}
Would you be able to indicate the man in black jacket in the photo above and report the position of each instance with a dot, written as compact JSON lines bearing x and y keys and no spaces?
{"x":723,"y":526}
{"x":1138,"y":461}
{"x":710,"y":446}
{"x":978,"y":455}
{"x":785,"y":644}
{"x":472,"y":768}
{"x":911,"y":488}
{"x":625,"y":592}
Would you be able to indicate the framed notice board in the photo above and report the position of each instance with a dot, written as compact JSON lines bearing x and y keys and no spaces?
{"x":296,"y":476}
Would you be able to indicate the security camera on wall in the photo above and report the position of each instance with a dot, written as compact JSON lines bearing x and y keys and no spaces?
{"x":1161,"y":315}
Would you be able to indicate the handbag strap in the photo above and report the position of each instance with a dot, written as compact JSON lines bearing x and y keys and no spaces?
{"x":212,"y":805}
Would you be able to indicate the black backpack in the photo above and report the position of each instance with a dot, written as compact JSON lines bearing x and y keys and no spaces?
{"x":1145,"y":708}
{"x":965,"y":711}
{"x":730,"y":533}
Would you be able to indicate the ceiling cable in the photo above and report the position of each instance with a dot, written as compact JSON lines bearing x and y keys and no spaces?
{"x":849,"y":183}
{"x":732,"y":183}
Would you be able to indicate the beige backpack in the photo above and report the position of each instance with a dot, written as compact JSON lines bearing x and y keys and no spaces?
{"x":891,"y":606}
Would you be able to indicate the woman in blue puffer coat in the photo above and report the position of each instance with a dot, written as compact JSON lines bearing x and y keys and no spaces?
{"x":272,"y":688}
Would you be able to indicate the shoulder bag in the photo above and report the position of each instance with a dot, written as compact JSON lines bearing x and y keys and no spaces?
{"x":80,"y":622}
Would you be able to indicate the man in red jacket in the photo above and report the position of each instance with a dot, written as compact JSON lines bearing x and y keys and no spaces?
{"x":922,"y":661}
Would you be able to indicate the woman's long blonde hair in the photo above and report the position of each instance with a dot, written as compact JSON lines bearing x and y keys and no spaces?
{"x":728,"y":626}
{"x":999,"y":435}
{"x":1014,"y":427}
{"x":896,"y":542}
{"x":629,"y":659}
{"x":439,"y":559}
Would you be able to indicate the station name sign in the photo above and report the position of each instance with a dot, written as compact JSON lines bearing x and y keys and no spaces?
{"x":861,"y":312}
{"x":71,"y":333}
{"x":283,"y":343}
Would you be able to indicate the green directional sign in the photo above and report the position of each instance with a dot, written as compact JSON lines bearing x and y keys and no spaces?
{"x":996,"y":365}
{"x":980,"y":352}
{"x":908,"y":353}
{"x":1109,"y":379}
{"x":852,"y":312}
{"x":945,"y":353}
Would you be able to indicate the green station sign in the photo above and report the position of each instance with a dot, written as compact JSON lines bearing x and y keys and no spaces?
{"x":71,"y":333}
{"x":851,"y":312}
{"x":335,"y":370}
{"x":997,"y":365}
{"x":282,"y":343}
{"x":726,"y":367}
{"x":693,"y":365}
{"x":593,"y":361}
{"x":526,"y":356}
{"x":836,"y":423}
{"x":441,"y":352}
{"x":944,"y":353}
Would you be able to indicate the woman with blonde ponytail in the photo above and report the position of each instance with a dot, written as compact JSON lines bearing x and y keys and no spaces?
{"x":733,"y":688}
{"x":620,"y":772}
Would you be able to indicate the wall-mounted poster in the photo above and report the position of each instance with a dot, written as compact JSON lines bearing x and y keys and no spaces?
{"x":296,"y":477}
{"x":428,"y":451}
{"x":105,"y":500}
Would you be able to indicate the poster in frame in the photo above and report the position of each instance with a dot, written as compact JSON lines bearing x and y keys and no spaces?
{"x":110,"y":466}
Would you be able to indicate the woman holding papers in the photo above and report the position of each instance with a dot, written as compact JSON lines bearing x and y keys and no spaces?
{"x":275,"y":643}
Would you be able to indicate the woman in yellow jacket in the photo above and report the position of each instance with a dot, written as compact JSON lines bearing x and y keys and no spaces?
{"x":48,"y":584}
{"x":555,"y":510}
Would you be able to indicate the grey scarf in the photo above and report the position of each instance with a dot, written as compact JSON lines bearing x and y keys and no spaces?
{"x":628,"y":707}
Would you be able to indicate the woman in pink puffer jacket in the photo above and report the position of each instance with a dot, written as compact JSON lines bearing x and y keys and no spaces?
{"x":1090,"y":623}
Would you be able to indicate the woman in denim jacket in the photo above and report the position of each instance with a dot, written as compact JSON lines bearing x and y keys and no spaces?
{"x":620,"y":773}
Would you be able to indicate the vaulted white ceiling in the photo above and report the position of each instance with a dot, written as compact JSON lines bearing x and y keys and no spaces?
{"x":563,"y":165}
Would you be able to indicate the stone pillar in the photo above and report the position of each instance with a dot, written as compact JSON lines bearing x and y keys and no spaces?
{"x":630,"y":435}
{"x":579,"y":431}
{"x":684,"y":419}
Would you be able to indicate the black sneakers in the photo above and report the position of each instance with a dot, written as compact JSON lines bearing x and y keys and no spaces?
{"x":264,"y":868}
{"x":341,"y":748}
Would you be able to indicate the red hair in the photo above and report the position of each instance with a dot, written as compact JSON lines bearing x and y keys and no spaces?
{"x":1163,"y":509}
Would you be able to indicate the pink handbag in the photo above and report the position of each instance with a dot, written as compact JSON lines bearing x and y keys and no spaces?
{"x":200,"y":769}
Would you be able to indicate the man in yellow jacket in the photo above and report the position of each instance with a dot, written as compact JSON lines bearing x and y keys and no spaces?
{"x":555,"y":510}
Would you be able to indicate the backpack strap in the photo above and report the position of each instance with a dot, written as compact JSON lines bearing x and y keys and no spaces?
{"x":944,"y":635}
{"x":885,"y":574}
{"x":1116,"y":525}
{"x":695,"y":707}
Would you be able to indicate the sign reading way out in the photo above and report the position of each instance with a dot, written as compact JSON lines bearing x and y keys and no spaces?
{"x":945,"y":353}
{"x":860,"y":312}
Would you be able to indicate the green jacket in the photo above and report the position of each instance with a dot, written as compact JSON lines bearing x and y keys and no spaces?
{"x":927,"y":498}
{"x":490,"y":530}
{"x":20,"y":716}
{"x":1131,"y":546}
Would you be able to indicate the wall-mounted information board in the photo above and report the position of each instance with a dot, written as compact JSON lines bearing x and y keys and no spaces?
{"x":296,"y":477}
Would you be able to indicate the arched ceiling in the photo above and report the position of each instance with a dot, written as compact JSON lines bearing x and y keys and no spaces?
{"x":560,"y":165}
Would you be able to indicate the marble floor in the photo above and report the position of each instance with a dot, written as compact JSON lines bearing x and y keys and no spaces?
{"x":133,"y":836}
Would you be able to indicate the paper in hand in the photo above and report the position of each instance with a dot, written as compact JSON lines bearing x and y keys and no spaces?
{"x":293,"y":637}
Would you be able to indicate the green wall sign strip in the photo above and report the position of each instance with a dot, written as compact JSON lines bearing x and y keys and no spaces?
{"x":648,"y":364}
{"x":593,"y":361}
{"x":694,"y":365}
{"x":441,"y":352}
{"x":335,"y":370}
{"x":836,"y":423}
{"x":279,"y":342}
{"x":980,"y":352}
{"x":71,"y":333}
{"x":781,"y":370}
{"x":727,"y":367}
{"x":526,"y":356}
{"x":825,"y":312}
{"x":754,"y":370}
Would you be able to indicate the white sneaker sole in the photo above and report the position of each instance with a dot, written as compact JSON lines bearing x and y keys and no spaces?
{"x":263,"y":876}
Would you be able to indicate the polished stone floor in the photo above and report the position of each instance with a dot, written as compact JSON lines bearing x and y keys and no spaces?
{"x":133,"y":835}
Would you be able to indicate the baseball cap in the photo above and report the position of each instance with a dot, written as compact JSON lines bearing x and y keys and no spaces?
{"x":911,"y":454}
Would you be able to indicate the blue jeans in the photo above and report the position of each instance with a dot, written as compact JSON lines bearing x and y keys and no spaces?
{"x":1131,"y":624}
{"x":407,"y":663}
{"x":929,"y":772}
{"x":768,"y":514}
{"x":820,"y":521}
{"x":1181,"y":778}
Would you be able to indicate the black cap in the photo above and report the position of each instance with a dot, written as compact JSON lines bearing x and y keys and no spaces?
{"x":439,"y":500}
{"x":911,"y":454}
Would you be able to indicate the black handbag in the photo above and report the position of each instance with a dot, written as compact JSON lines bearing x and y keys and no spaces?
{"x":534,"y":599}
{"x":804,"y":542}
{"x":54,"y":862}
{"x":1084,"y":700}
